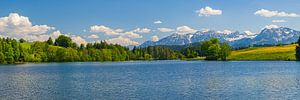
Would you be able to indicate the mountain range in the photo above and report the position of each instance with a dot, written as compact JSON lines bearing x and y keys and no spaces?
{"x":268,"y":36}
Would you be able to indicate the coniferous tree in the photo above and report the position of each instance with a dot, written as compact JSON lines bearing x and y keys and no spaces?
{"x":50,"y":41}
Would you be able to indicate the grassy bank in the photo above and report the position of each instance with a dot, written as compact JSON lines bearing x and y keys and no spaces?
{"x":286,"y":52}
{"x":191,"y":59}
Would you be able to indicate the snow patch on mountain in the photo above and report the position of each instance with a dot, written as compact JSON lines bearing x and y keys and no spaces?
{"x":270,"y":35}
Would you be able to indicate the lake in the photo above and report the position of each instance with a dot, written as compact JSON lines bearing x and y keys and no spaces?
{"x":152,"y":80}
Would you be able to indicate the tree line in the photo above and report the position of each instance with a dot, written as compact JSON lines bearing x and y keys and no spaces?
{"x":63,"y":49}
{"x":298,"y":50}
{"x":211,"y":49}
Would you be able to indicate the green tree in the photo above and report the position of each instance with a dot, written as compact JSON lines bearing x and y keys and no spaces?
{"x":22,"y":40}
{"x":50,"y":41}
{"x":81,"y":46}
{"x":2,"y":58}
{"x":213,"y":52}
{"x":298,"y":50}
{"x":64,"y":41}
{"x":213,"y":49}
{"x":10,"y":56}
{"x":225,"y":51}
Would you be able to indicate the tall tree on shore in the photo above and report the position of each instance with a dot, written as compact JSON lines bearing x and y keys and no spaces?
{"x":212,"y":49}
{"x":225,"y":51}
{"x":63,"y":41}
{"x":298,"y":50}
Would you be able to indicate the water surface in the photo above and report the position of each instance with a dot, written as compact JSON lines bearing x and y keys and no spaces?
{"x":170,"y":80}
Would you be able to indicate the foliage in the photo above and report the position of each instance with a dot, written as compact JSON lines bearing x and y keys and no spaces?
{"x":154,"y":53}
{"x":212,"y":49}
{"x":12,"y":51}
{"x":22,"y":40}
{"x":50,"y":41}
{"x":298,"y":50}
{"x":64,"y":41}
{"x":64,"y":50}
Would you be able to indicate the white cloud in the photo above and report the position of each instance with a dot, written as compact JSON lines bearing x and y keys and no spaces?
{"x":165,"y":30}
{"x":131,"y":35}
{"x":93,"y":36}
{"x":185,"y":29}
{"x":142,"y":30}
{"x":154,"y":38}
{"x":269,"y":13}
{"x":271,"y":26}
{"x":279,"y":21}
{"x":56,"y":34}
{"x":208,"y":11}
{"x":16,"y":26}
{"x":157,"y":22}
{"x":42,"y":37}
{"x":78,"y":40}
{"x":104,"y":29}
{"x":122,"y":41}
{"x":119,"y":30}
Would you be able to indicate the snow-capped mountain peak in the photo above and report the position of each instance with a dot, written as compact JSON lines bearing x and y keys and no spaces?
{"x":270,"y":35}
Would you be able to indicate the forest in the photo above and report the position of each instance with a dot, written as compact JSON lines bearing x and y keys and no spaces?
{"x":62,"y":49}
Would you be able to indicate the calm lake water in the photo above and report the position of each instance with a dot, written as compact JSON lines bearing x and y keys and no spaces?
{"x":152,"y":80}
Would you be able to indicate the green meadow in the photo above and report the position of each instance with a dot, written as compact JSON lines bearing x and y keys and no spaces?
{"x":283,"y":53}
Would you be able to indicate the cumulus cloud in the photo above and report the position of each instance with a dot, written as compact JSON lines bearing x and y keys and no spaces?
{"x":17,"y":26}
{"x":279,"y":21}
{"x":55,"y":34}
{"x":93,"y":36}
{"x":78,"y":40}
{"x":104,"y":29}
{"x":271,"y":26}
{"x":142,"y":30}
{"x":208,"y":11}
{"x":165,"y":30}
{"x":131,"y":35}
{"x":269,"y":13}
{"x":154,"y":38}
{"x":119,"y":30}
{"x":42,"y":37}
{"x":185,"y":29}
{"x":122,"y":41}
{"x":157,"y":22}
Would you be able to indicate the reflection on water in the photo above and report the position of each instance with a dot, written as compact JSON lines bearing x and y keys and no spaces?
{"x":152,"y":80}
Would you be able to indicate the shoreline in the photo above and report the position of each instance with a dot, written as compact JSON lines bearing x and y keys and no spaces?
{"x":148,"y":61}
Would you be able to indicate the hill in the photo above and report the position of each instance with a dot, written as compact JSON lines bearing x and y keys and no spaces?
{"x":286,"y":52}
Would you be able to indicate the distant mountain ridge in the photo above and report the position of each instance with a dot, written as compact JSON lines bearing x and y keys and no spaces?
{"x":268,"y":36}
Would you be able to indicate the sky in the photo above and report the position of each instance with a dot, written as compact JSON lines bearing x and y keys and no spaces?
{"x":132,"y":22}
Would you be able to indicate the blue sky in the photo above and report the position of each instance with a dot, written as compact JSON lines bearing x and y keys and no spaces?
{"x":76,"y":17}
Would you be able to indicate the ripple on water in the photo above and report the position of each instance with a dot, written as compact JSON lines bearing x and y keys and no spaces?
{"x":152,"y":80}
